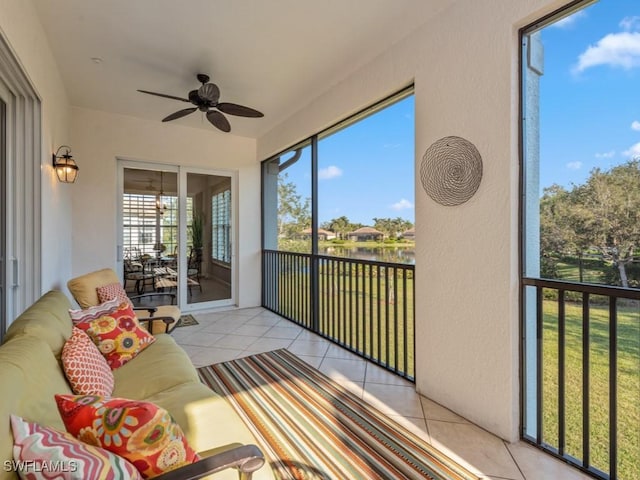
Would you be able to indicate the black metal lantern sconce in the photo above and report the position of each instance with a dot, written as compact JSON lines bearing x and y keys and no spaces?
{"x":64,"y":165}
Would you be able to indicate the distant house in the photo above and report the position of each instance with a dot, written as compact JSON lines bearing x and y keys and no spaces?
{"x":365,"y":234}
{"x":409,"y":234}
{"x":322,"y":234}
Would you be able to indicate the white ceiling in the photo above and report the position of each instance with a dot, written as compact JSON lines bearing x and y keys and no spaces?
{"x":271,"y":55}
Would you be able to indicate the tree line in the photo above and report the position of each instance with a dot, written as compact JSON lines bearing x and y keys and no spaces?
{"x":601,"y":217}
{"x":294,"y":216}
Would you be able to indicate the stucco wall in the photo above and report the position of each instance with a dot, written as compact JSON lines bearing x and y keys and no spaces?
{"x":464,"y":64}
{"x":100,"y":138}
{"x":21,"y":28}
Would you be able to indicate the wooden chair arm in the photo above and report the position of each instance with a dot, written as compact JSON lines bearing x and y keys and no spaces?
{"x":245,"y":458}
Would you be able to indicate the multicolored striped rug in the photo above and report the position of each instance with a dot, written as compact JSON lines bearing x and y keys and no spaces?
{"x":310,"y":427}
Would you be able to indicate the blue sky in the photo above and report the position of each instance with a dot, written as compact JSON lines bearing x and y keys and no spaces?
{"x":590,"y":92}
{"x":365,"y":170}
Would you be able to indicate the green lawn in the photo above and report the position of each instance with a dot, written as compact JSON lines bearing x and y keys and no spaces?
{"x":628,"y":377}
{"x":372,"y":311}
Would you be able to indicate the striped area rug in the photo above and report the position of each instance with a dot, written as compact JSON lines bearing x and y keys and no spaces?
{"x":310,"y":427}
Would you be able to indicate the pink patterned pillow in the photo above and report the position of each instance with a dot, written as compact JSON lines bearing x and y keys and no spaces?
{"x":85,"y":367}
{"x":92,"y":313}
{"x":46,"y":453}
{"x":111,"y":291}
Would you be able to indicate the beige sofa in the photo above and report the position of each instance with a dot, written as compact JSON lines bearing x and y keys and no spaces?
{"x":31,"y":374}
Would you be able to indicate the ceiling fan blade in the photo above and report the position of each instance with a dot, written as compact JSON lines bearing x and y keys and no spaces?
{"x":179,"y":114}
{"x":164,"y":96}
{"x":218,"y":120}
{"x":239,"y":110}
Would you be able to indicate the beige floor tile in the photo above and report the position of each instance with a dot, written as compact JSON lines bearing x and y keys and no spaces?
{"x":267,"y":344}
{"x":253,"y":330}
{"x":283,"y":332}
{"x":356,"y":388}
{"x":309,"y":336}
{"x":202,"y":339}
{"x":263,"y":320}
{"x":311,"y":360}
{"x":336,"y":351}
{"x":376,"y":374}
{"x":306,"y":347}
{"x":215,"y":355}
{"x":240,"y":342}
{"x":393,"y":399}
{"x":475,"y":448}
{"x":538,"y":466}
{"x":435,"y":411}
{"x":415,"y":425}
{"x":340,"y":368}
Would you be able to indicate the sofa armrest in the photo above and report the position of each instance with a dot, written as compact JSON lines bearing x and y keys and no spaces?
{"x":246,"y":458}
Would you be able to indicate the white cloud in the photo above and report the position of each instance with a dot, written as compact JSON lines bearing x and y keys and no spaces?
{"x":615,"y":50}
{"x":633,"y":152}
{"x":403,"y":204}
{"x":635,"y":125}
{"x":566,"y":22}
{"x":330,"y":172}
{"x":610,"y":154}
{"x":574,"y":165}
{"x":630,"y":23}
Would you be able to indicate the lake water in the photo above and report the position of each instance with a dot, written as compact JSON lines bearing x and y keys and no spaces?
{"x":378,"y":254}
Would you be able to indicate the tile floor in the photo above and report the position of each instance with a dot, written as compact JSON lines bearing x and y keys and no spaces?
{"x":231,"y":334}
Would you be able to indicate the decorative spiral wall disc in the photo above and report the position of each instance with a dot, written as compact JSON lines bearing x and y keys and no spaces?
{"x":451,"y":170}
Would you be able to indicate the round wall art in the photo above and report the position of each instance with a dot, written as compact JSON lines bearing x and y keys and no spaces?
{"x":451,"y":170}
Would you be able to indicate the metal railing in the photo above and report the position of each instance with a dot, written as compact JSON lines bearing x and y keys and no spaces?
{"x":587,"y":374}
{"x":364,"y":306}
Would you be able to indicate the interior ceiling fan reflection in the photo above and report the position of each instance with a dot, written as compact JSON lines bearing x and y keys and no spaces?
{"x":161,"y":207}
{"x":206,"y":99}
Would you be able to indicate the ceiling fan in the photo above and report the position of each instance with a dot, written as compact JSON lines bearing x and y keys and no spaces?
{"x":206,"y":99}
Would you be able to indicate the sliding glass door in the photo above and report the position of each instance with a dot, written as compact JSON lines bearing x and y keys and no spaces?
{"x":176,"y":234}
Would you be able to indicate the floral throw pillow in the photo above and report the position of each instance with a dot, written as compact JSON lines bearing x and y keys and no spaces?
{"x":41,"y":450}
{"x":111,"y":291}
{"x":85,"y":367}
{"x":118,"y":335}
{"x":92,"y":313}
{"x":142,"y":432}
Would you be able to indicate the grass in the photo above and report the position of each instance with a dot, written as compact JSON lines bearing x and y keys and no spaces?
{"x":369,"y":309}
{"x":628,"y":378}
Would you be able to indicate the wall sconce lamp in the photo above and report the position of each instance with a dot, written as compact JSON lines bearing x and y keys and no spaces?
{"x":65,"y":166}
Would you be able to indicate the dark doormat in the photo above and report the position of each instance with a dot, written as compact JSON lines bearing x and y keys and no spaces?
{"x":186,"y":321}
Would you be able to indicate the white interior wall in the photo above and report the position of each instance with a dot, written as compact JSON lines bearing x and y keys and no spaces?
{"x":100,"y":138}
{"x":21,"y":27}
{"x":464,"y":64}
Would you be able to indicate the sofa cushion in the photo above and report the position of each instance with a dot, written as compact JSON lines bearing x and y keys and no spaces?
{"x":118,"y":335}
{"x":83,"y":288}
{"x":142,"y":432}
{"x":162,"y":365}
{"x":85,"y":367}
{"x":77,"y":460}
{"x":47,"y":319}
{"x":92,"y":313}
{"x":30,"y":377}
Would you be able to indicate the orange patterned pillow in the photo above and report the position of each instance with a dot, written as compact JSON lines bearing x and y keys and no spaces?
{"x":111,"y":291}
{"x":118,"y":335}
{"x":141,"y":432}
{"x":85,"y":367}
